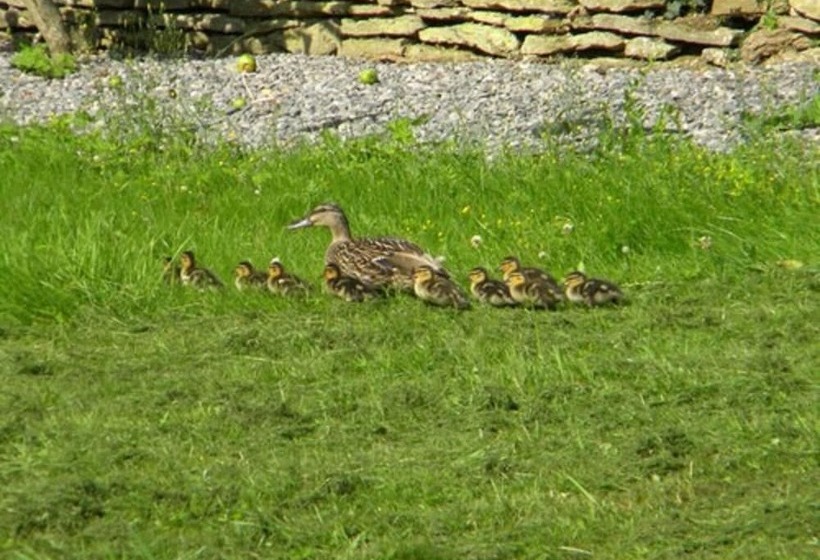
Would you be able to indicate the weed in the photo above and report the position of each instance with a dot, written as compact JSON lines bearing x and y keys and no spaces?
{"x":35,"y":59}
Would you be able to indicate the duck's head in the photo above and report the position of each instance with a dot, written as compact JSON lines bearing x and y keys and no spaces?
{"x":423,"y":273}
{"x":331,"y":272}
{"x":328,"y":215}
{"x":187,"y":260}
{"x":476,"y":275}
{"x":275,"y":269}
{"x":516,"y":279}
{"x":243,"y":270}
{"x":574,"y":278}
{"x":509,"y":264}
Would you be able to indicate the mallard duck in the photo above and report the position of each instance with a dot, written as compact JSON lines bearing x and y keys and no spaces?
{"x":170,"y":271}
{"x":191,"y":274}
{"x":381,"y":261}
{"x":246,"y":276}
{"x":531,"y":274}
{"x":433,"y":288}
{"x":591,"y":291}
{"x":280,"y":281}
{"x":530,"y":293}
{"x":347,"y":287}
{"x":489,"y":291}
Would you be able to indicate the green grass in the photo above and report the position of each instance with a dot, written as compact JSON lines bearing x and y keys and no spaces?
{"x":145,"y":422}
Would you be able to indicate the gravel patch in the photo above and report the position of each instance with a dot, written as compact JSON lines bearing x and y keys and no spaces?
{"x":495,"y":102}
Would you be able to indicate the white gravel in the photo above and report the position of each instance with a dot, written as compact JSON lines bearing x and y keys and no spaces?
{"x":497,"y":102}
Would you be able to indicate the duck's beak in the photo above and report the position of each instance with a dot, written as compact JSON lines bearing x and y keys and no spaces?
{"x":300,"y":223}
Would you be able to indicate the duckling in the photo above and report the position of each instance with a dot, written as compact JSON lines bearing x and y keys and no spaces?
{"x":170,"y":271}
{"x":347,"y":287}
{"x":436,"y":289}
{"x":591,"y":291}
{"x":246,"y":276}
{"x":281,"y":282}
{"x":531,"y":274}
{"x":381,"y":261}
{"x":530,"y":293}
{"x":191,"y":274}
{"x":489,"y":291}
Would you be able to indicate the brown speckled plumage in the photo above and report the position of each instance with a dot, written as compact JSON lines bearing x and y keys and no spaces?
{"x":382,"y":261}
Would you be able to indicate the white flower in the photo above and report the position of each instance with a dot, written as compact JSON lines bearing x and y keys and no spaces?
{"x":625,"y":249}
{"x":476,"y":241}
{"x":567,"y":228}
{"x":705,"y":242}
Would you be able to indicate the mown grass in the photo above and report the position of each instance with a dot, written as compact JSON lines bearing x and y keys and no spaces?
{"x":142,"y":421}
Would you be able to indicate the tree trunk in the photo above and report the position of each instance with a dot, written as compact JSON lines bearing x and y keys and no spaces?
{"x":47,"y":18}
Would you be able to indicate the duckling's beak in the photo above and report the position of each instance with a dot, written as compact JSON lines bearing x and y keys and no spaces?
{"x":300,"y":223}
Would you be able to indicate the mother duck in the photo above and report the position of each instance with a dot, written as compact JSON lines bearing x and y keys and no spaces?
{"x":375,"y":261}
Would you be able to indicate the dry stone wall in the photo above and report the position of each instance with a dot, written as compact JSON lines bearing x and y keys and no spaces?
{"x":725,"y":30}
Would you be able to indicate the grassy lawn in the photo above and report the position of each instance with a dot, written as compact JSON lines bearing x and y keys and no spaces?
{"x":143,"y":421}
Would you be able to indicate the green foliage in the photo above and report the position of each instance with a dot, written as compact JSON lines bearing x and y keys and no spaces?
{"x":805,"y":115}
{"x":769,"y":19}
{"x":145,"y":421}
{"x":35,"y":59}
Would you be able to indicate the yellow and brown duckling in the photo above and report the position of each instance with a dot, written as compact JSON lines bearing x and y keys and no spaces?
{"x":436,"y":289}
{"x":170,"y":271}
{"x":487,"y":290}
{"x":530,"y":293}
{"x":511,"y":264}
{"x":591,"y":291}
{"x":378,"y":262}
{"x":247,"y":276}
{"x":347,"y":287}
{"x":281,"y":282}
{"x":191,"y":274}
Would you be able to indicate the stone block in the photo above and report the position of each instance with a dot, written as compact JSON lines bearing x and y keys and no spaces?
{"x":546,"y":45}
{"x":487,"y":39}
{"x":597,"y":41}
{"x":624,"y":25}
{"x":536,"y":24}
{"x":445,"y":14}
{"x":545,"y":6}
{"x":292,"y":8}
{"x":321,"y":38}
{"x":716,"y":57}
{"x":620,"y":6}
{"x":490,"y":18}
{"x":646,"y":48}
{"x":428,"y":4}
{"x":683,"y":33}
{"x":373,"y":48}
{"x":765,"y":43}
{"x":371,"y":10}
{"x":161,"y":6}
{"x":807,"y":8}
{"x":401,"y":26}
{"x":799,"y":24}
